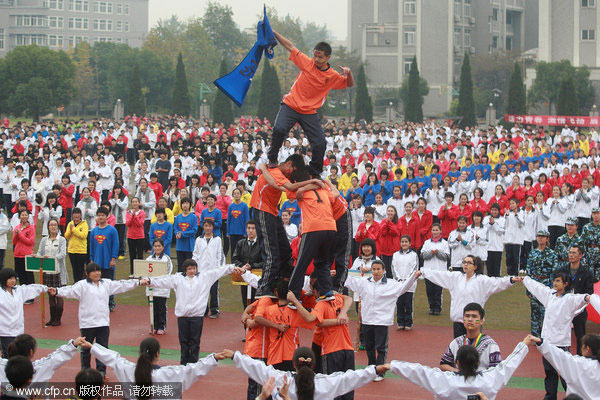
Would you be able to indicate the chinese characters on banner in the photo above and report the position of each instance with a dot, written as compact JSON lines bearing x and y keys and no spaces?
{"x":552,"y":120}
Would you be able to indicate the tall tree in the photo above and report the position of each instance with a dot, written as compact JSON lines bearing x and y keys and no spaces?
{"x":181,"y":94}
{"x":84,"y":75}
{"x":32,"y":98}
{"x":567,"y":103}
{"x":363,"y":102}
{"x":466,"y":101}
{"x":222,"y":29}
{"x":270,"y":93}
{"x":491,"y":75}
{"x":222,"y":106}
{"x":413,"y":106}
{"x":517,"y":101}
{"x":135,"y":99}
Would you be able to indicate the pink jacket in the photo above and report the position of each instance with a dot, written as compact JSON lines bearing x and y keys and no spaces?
{"x":23,"y":239}
{"x":135,"y":224}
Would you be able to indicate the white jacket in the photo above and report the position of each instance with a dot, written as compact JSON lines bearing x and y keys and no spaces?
{"x":12,"y":321}
{"x":437,"y":261}
{"x":435,"y":200}
{"x":542,"y":217}
{"x":88,"y":211}
{"x":480,"y":237}
{"x":560,"y":311}
{"x":93,"y":299}
{"x":459,"y":250}
{"x":478,"y":289}
{"x":358,"y":216}
{"x":404,"y":264}
{"x":452,"y":386}
{"x":530,"y":228}
{"x":595,"y":302}
{"x":585,"y":201}
{"x":495,"y":233}
{"x":327,"y":387}
{"x":557,"y":213}
{"x":378,"y":299}
{"x":5,"y":227}
{"x":208,"y":254}
{"x":581,"y":374}
{"x":124,"y":369}
{"x":191,"y":293}
{"x":161,"y":292}
{"x":513,"y":228}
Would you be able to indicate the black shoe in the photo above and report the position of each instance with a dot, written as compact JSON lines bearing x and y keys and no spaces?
{"x":431,"y":312}
{"x":214,"y":316}
{"x":29,"y":301}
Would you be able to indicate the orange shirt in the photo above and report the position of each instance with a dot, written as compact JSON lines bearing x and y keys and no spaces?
{"x":339,"y":207}
{"x":257,"y":339}
{"x":316,"y":216}
{"x":283,"y":344}
{"x":335,"y":338}
{"x":265,"y":197}
{"x":309,"y":91}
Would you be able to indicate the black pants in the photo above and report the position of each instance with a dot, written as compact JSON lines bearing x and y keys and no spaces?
{"x":339,"y":361}
{"x":285,"y":365}
{"x":494,"y":263}
{"x":2,"y":255}
{"x":136,"y":251}
{"x":78,"y":262}
{"x":313,"y":246}
{"x":225,"y":239}
{"x":4,"y":342}
{"x":181,"y":257}
{"x":109,"y":273}
{"x":551,"y":379}
{"x":254,"y":388}
{"x":525,"y":250}
{"x":318,"y":350}
{"x":513,"y":254}
{"x":579,"y":323}
{"x":104,"y":194}
{"x":434,"y":295}
{"x":555,"y":231}
{"x":581,"y":222}
{"x":311,"y":125}
{"x":190,"y":332}
{"x":131,"y":156}
{"x":121,"y":231}
{"x":459,"y":329}
{"x":355,"y":249}
{"x":244,"y":291}
{"x":404,"y":309}
{"x":275,"y":249}
{"x":376,"y":343}
{"x":147,"y":245}
{"x":25,"y":277}
{"x":341,"y":251}
{"x":8,"y":204}
{"x":100,"y":334}
{"x":213,"y":304}
{"x":160,"y":312}
{"x":387,"y":263}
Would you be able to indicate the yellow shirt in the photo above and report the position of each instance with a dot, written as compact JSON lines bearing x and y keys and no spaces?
{"x":402,"y":168}
{"x":246,"y":198}
{"x":170,"y":214}
{"x":585,"y":146}
{"x":77,"y":237}
{"x":494,"y":157}
{"x":345,"y":182}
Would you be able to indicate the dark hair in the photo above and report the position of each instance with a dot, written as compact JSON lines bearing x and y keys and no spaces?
{"x":190,"y":262}
{"x":149,"y":348}
{"x":593,"y":342}
{"x":378,"y":262}
{"x":369,"y":242}
{"x":305,"y":376}
{"x":187,"y":200}
{"x":324,"y":47}
{"x":19,"y":371}
{"x":160,"y":210}
{"x":369,"y":210}
{"x":478,"y":262}
{"x":477,"y":213}
{"x":449,"y":195}
{"x":211,"y":196}
{"x":91,"y":267}
{"x":209,"y":221}
{"x":158,"y":240}
{"x":5,"y":275}
{"x":250,"y":222}
{"x":565,"y":276}
{"x":406,"y":237}
{"x":88,"y":383}
{"x":23,"y":345}
{"x":467,"y":359}
{"x":122,"y":194}
{"x":462,"y":218}
{"x":281,"y":287}
{"x":103,"y":210}
{"x":474,"y":307}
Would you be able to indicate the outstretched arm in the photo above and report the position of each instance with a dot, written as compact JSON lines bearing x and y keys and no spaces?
{"x":286,"y":43}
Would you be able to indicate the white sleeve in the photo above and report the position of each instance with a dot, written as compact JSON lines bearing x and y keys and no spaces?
{"x":431,"y":379}
{"x":257,"y":370}
{"x":71,"y":292}
{"x":214,"y":274}
{"x":406,"y":285}
{"x":564,"y":362}
{"x":541,"y":292}
{"x":45,"y":367}
{"x":577,"y":303}
{"x":595,"y":301}
{"x":353,"y":283}
{"x":500,"y":375}
{"x":340,"y":383}
{"x":164,"y":282}
{"x":496,"y":285}
{"x":251,"y":279}
{"x":444,"y":279}
{"x":32,"y":291}
{"x":124,"y":369}
{"x":187,"y":374}
{"x":122,"y":286}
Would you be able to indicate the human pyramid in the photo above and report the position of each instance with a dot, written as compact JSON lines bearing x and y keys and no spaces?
{"x":375,"y":231}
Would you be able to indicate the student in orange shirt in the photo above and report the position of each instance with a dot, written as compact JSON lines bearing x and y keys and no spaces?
{"x":307,"y":94}
{"x":342,"y":247}
{"x":337,"y":349}
{"x":275,"y":248}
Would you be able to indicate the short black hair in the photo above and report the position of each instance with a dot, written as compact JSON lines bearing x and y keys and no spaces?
{"x":19,"y":371}
{"x":251,"y":222}
{"x":103,"y":210}
{"x":324,"y":47}
{"x":5,"y":275}
{"x":87,"y":379}
{"x":475,"y":307}
{"x":190,"y":262}
{"x":91,"y":267}
{"x":209,"y":221}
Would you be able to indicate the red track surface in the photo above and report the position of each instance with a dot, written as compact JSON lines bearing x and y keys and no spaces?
{"x":129,"y":325}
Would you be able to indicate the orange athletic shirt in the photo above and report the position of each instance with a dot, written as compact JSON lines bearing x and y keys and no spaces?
{"x":257,"y":339}
{"x":339,"y":207}
{"x":283,"y":344}
{"x":265,"y":197}
{"x":316,"y":216}
{"x":309,"y":91}
{"x":337,"y":337}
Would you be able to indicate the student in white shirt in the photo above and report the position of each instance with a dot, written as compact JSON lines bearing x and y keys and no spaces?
{"x":561,"y":307}
{"x":461,"y":242}
{"x":357,"y":214}
{"x":12,"y":297}
{"x":530,"y":216}
{"x":363,"y":263}
{"x":451,"y":385}
{"x":480,"y":236}
{"x":208,"y":254}
{"x":192,"y":288}
{"x":291,"y":230}
{"x":160,"y":296}
{"x":380,"y":208}
{"x":404,"y":262}
{"x":435,"y":253}
{"x":94,"y":314}
{"x":585,"y":199}
{"x":556,"y":209}
{"x":513,"y":236}
{"x":469,"y":286}
{"x":146,"y":370}
{"x":495,"y":225}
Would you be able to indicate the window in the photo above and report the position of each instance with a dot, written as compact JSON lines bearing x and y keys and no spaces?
{"x":458,"y":7}
{"x":78,"y":5}
{"x":508,"y":43}
{"x":458,"y":36}
{"x":495,"y":42}
{"x":508,"y":18}
{"x":1,"y":38}
{"x":588,"y":3}
{"x":467,"y":38}
{"x":119,"y":8}
{"x":31,"y":20}
{"x":119,"y":26}
{"x":55,"y":41}
{"x":468,"y":8}
{"x":78,"y":23}
{"x":410,"y":7}
{"x":126,"y":26}
{"x":407,"y":64}
{"x":56,"y":4}
{"x":56,"y":22}
{"x":126,"y":9}
{"x":495,"y":14}
{"x":102,"y":25}
{"x":410,"y":36}
{"x":21,"y":40}
{"x":588,"y":34}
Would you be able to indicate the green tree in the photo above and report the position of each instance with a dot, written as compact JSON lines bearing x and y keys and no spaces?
{"x":364,"y":104}
{"x":222,"y":30}
{"x":135,"y":99}
{"x":222,"y":106}
{"x":84,"y":75}
{"x":270,"y":93}
{"x":466,"y":102}
{"x":517,"y":100}
{"x":18,"y":70}
{"x":413,"y":100}
{"x":181,"y":94}
{"x":491,"y":75}
{"x":567,"y":103}
{"x":313,"y":34}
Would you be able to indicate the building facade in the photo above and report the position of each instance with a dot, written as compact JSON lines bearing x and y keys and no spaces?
{"x":62,"y":24}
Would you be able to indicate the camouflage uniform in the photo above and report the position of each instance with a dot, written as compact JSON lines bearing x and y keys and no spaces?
{"x":562,"y":246}
{"x":540,"y":267}
{"x":591,"y":240}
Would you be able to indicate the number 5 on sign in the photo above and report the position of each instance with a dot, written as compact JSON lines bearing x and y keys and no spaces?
{"x":150,"y":268}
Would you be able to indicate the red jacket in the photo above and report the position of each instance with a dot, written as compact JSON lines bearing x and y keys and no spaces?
{"x":424,"y":223}
{"x":575,"y":181}
{"x":467,"y":212}
{"x":372,"y":233}
{"x":66,"y":193}
{"x":135,"y":224}
{"x":388,"y":240}
{"x":479,"y":205}
{"x":223,"y":203}
{"x":502,"y":201}
{"x":198,"y":209}
{"x":409,"y":228}
{"x":448,"y":219}
{"x":547,"y":189}
{"x":23,"y":240}
{"x":518,"y":193}
{"x":158,"y":189}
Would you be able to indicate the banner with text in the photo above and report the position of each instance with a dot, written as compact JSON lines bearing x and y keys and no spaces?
{"x":552,"y":120}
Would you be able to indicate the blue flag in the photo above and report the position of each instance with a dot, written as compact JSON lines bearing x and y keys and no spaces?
{"x":235,"y":85}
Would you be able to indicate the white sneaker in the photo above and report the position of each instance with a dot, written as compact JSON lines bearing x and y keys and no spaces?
{"x":379,"y":378}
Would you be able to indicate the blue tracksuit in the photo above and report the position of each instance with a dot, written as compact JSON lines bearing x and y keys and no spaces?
{"x":188,"y":226}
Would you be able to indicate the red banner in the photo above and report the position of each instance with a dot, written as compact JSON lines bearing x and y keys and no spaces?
{"x":552,"y":120}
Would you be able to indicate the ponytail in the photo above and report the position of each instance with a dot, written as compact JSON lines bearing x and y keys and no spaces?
{"x":468,"y":361}
{"x":304,"y":362}
{"x":593,"y":342}
{"x":23,"y":345}
{"x":149,"y":348}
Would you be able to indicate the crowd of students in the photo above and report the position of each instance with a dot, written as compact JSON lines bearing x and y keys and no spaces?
{"x":396,"y":202}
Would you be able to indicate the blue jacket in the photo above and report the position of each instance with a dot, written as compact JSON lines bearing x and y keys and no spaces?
{"x":162,"y":231}
{"x":294,"y":209}
{"x":370,"y":192}
{"x":237,"y":216}
{"x":104,"y":245}
{"x":216,"y":216}
{"x":188,"y":226}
